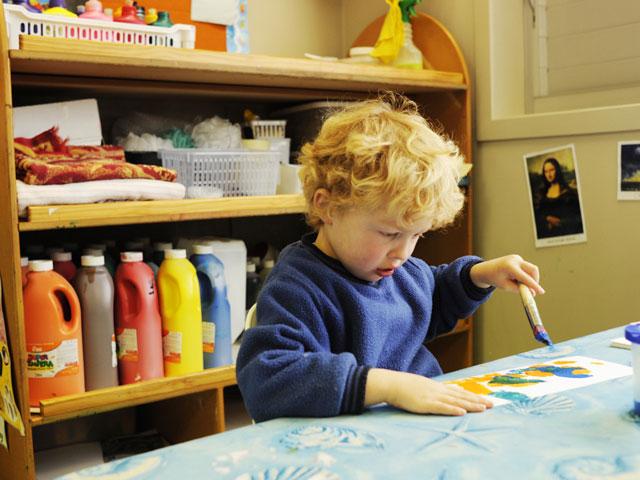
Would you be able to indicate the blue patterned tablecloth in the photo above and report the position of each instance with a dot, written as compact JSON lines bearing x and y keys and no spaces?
{"x":586,"y":433}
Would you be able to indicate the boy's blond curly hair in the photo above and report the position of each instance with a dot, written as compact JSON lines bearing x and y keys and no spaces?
{"x":382,"y":154}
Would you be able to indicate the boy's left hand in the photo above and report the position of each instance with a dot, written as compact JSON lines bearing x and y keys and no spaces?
{"x":506,"y":272}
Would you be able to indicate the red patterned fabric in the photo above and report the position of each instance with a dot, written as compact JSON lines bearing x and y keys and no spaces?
{"x":46,"y":159}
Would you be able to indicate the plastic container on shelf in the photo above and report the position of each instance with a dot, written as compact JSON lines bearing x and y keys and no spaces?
{"x":181,"y":314}
{"x":53,"y":334}
{"x":361,"y":55}
{"x":93,"y":11}
{"x":236,"y":173}
{"x":409,"y":56}
{"x":22,"y":22}
{"x":138,"y":322}
{"x":216,"y":312}
{"x":268,"y":128}
{"x":94,"y":286}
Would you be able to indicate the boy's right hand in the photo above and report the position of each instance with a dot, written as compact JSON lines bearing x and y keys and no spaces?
{"x":418,"y":394}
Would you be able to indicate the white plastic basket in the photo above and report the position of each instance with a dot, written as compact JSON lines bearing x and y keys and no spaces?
{"x":21,"y":22}
{"x":237,"y":173}
{"x":268,"y":128}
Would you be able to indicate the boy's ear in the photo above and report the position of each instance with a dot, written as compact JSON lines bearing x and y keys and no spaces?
{"x":322,"y":205}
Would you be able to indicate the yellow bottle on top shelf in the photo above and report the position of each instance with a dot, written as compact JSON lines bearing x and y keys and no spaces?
{"x":179,"y":292}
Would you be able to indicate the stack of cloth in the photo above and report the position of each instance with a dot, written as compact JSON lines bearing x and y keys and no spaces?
{"x":51,"y":172}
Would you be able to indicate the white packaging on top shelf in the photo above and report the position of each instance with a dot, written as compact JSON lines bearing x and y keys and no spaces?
{"x":78,"y":120}
{"x":233,"y":254}
{"x":22,"y":22}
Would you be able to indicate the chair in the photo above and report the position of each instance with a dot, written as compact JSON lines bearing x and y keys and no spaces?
{"x":252,"y":318}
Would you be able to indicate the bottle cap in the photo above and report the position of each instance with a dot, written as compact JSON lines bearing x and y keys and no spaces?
{"x":133,"y":246}
{"x":255,"y":260}
{"x":175,"y":253}
{"x":92,"y":261}
{"x":269,"y":264}
{"x":631,"y":332}
{"x":251,"y":267}
{"x":162,"y":246}
{"x":40,"y":265}
{"x":202,"y":249}
{"x":24,"y":261}
{"x":92,"y":251}
{"x":62,"y":257}
{"x":128,"y":257}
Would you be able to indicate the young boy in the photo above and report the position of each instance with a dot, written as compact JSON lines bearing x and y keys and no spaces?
{"x":344,"y":316}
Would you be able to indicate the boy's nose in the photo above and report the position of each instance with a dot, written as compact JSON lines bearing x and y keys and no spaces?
{"x":402,"y":251}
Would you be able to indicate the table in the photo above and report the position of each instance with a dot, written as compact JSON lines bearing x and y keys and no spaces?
{"x":587,"y":433}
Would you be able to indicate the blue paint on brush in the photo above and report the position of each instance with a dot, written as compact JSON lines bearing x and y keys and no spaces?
{"x":543,"y":337}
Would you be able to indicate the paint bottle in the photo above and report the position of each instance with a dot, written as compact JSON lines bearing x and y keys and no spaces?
{"x":216,"y":312}
{"x":181,"y":314}
{"x":138,"y":322}
{"x":63,"y":264}
{"x":266,"y":270}
{"x":253,"y":285}
{"x":53,"y":334}
{"x":24,"y":267}
{"x":94,"y":286}
{"x":632,"y":333}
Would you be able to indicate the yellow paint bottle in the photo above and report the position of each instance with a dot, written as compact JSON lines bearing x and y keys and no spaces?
{"x":179,"y":292}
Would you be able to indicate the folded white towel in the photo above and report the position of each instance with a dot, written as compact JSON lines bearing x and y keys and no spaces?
{"x":97,"y":191}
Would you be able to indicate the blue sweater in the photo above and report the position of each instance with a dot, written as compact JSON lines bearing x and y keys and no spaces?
{"x":320,"y":330}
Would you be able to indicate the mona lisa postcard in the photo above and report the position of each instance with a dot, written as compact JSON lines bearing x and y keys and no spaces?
{"x":554,"y":192}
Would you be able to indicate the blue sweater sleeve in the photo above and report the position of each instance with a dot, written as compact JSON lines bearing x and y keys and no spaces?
{"x":454,"y":295}
{"x":285,"y":366}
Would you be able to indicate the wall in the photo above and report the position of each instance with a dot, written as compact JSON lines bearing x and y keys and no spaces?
{"x":290,"y":28}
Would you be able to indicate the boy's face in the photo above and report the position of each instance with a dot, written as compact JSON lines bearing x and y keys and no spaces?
{"x":371,"y":245}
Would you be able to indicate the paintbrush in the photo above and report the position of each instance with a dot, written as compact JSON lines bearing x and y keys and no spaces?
{"x":531,"y":309}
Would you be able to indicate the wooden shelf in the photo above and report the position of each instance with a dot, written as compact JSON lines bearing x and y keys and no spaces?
{"x":107,"y":399}
{"x":54,"y":56}
{"x":157,"y":211}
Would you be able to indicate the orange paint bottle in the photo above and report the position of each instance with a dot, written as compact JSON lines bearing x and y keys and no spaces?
{"x":53,"y":334}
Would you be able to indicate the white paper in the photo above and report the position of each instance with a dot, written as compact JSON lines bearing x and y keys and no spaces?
{"x":543,"y":378}
{"x":79,"y":120}
{"x":220,"y":12}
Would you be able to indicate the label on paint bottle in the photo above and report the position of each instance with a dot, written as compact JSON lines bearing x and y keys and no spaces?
{"x":48,"y":360}
{"x":114,"y":352}
{"x":208,"y":337}
{"x":127,"y":344}
{"x":172,"y":346}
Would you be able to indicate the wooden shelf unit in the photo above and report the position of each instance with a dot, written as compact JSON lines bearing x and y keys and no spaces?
{"x":92,"y":68}
{"x":127,"y":213}
{"x":106,"y":399}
